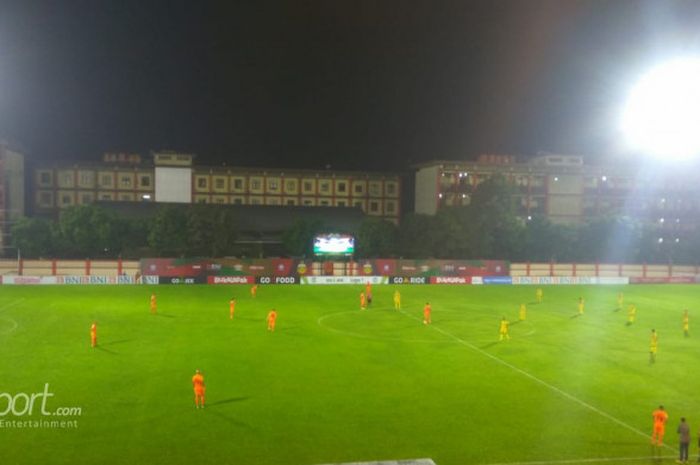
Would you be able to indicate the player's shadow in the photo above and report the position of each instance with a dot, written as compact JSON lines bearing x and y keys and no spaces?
{"x":103,"y":349}
{"x":576,"y":315}
{"x":230,"y":400}
{"x":230,"y":420}
{"x":120,"y":341}
{"x":165,"y":315}
{"x":490,"y":344}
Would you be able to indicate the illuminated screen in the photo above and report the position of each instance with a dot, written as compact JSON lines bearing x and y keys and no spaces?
{"x":334,"y":244}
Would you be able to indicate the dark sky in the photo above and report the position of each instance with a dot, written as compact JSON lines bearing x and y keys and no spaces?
{"x":355,"y":84}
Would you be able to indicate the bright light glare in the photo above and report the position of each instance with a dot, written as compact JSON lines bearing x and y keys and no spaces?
{"x":662,"y":114}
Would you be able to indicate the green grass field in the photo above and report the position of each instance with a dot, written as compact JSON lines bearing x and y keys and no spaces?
{"x":334,"y":384}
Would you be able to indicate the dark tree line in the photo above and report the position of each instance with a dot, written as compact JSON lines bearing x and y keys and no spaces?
{"x":487,"y":228}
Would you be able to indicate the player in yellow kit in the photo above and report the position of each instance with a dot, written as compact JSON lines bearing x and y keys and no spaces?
{"x":653,"y":346}
{"x":522,"y":313}
{"x":686,"y":323}
{"x":199,"y":389}
{"x":397,"y":300}
{"x":231,"y":308}
{"x":620,"y":301}
{"x":363,"y":301}
{"x":93,"y":334}
{"x":254,"y":291}
{"x":539,"y":294}
{"x":503,"y":330}
{"x":154,"y":304}
{"x":631,"y":314}
{"x":581,"y":303}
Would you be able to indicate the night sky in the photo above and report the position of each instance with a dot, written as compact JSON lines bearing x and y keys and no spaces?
{"x":303,"y":84}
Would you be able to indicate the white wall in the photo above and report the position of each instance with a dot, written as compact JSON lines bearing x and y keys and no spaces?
{"x":427,"y":190}
{"x":173,"y":184}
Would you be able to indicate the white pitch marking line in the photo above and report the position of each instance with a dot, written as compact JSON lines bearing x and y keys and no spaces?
{"x":592,"y":460}
{"x":8,"y":331}
{"x":538,"y":380}
{"x":11,"y":304}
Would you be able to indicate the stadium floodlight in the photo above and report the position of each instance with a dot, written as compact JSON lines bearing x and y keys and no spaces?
{"x":662,"y":113}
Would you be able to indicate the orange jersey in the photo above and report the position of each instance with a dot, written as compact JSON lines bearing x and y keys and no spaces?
{"x":254,"y":290}
{"x":362,"y":299}
{"x":93,"y":332}
{"x":427,"y":310}
{"x":198,"y":382}
{"x":368,"y":288}
{"x":232,"y":305}
{"x":272,"y":316}
{"x":660,"y":417}
{"x":153,"y":301}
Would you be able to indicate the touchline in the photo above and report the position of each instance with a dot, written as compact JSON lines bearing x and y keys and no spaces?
{"x":23,"y":404}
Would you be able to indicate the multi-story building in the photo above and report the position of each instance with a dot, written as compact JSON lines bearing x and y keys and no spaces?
{"x":565,"y":190}
{"x":173,"y":177}
{"x":121,"y":177}
{"x":11,"y":191}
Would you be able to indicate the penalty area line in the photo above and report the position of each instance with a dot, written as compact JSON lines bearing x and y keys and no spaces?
{"x":591,"y":460}
{"x":534,"y":378}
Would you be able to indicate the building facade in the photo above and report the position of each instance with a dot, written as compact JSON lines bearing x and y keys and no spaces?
{"x":565,"y":190}
{"x":11,"y":192}
{"x":173,"y":177}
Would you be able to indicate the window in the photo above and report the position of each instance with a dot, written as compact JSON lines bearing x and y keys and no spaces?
{"x":145,"y":181}
{"x":291,"y":202}
{"x":202,"y":200}
{"x":359,"y":189}
{"x":202,"y":183}
{"x":106,"y":180}
{"x":86,"y":198}
{"x":219,"y":183}
{"x":105,"y":196}
{"x":66,"y":179}
{"x":255,"y":201}
{"x":342,"y":203}
{"x":238,"y":201}
{"x":324,"y":202}
{"x":238,"y":184}
{"x":374,"y":206}
{"x":324,"y":187}
{"x":273,"y":184}
{"x":308,"y":186}
{"x":290,"y":185}
{"x":45,"y":178}
{"x":66,"y":199}
{"x":341,"y":187}
{"x":390,"y":188}
{"x":390,"y":208}
{"x":86,"y":178}
{"x":125,"y":181}
{"x":255,"y":184}
{"x":375,"y":189}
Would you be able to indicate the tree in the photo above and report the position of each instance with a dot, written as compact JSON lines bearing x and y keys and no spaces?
{"x":297,"y":240}
{"x":168,"y":232}
{"x":416,"y":236}
{"x":35,"y":237}
{"x":376,"y":238}
{"x":89,"y":231}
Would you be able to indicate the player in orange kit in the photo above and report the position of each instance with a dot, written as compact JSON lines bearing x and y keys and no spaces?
{"x":271,"y":319}
{"x":154,"y":305}
{"x":199,"y":388}
{"x":231,"y":307}
{"x":368,"y":292}
{"x":426,"y":313}
{"x":93,"y":334}
{"x":660,"y":418}
{"x":363,"y":301}
{"x":254,"y":291}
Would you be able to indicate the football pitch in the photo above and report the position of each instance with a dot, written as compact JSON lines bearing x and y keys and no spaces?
{"x":335,"y":384}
